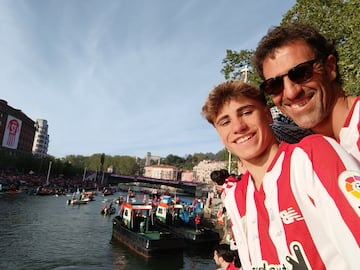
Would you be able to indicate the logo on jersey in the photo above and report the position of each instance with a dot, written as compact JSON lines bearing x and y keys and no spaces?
{"x":296,"y":260}
{"x":289,"y":216}
{"x":349,"y":183}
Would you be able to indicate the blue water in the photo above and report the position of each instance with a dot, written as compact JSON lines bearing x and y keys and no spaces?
{"x":43,"y":232}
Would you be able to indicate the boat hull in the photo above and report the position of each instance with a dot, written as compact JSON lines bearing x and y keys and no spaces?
{"x":190,"y":235}
{"x":76,"y":202}
{"x":148,"y":244}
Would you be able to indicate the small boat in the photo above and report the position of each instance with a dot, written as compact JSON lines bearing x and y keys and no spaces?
{"x":108,"y":210}
{"x":119,"y":200}
{"x":107,"y":191}
{"x":174,"y":218}
{"x":133,"y":227}
{"x":77,"y":201}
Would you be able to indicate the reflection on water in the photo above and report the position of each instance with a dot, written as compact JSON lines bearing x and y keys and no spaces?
{"x":42,"y":232}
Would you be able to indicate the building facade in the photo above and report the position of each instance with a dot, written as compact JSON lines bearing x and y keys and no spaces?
{"x":17,"y":130}
{"x":41,"y":139}
{"x":187,"y":176}
{"x":161,"y":171}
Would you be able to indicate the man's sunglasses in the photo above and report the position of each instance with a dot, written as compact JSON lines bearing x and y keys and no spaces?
{"x":299,"y":74}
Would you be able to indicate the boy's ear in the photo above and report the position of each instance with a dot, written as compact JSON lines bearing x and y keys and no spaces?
{"x":269,"y":118}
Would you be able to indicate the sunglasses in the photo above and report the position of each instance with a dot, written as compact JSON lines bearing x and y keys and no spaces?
{"x":299,"y":74}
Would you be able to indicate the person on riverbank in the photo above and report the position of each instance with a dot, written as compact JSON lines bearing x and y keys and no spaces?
{"x":197,"y":223}
{"x":225,"y":258}
{"x":299,"y":67}
{"x":291,"y":210}
{"x":226,"y":181}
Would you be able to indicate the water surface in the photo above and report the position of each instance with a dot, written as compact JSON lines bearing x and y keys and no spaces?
{"x":43,"y":232}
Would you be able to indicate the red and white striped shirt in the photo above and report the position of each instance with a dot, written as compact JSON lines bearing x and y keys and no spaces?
{"x":349,"y":136}
{"x":305,"y":215}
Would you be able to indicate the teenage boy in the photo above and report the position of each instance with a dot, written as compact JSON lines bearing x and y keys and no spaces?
{"x":297,"y":206}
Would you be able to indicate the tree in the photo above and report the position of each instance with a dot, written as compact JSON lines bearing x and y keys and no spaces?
{"x":336,"y":19}
{"x":235,"y":62}
{"x":173,"y":160}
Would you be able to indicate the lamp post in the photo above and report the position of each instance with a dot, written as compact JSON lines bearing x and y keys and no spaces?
{"x":229,"y":161}
{"x":48,"y":174}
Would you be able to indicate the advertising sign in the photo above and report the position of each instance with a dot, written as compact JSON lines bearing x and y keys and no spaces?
{"x":12,"y":132}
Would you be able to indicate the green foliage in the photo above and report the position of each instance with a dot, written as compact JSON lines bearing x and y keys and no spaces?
{"x":336,"y":19}
{"x":189,"y":161}
{"x":74,"y":165}
{"x":173,"y":160}
{"x":235,"y":62}
{"x":24,"y":163}
{"x":119,"y":164}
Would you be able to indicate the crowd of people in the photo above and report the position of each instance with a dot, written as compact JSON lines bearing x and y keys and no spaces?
{"x":296,"y":205}
{"x":34,"y":182}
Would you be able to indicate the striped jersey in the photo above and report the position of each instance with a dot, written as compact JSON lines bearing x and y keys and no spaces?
{"x":349,"y":136}
{"x":306,"y":213}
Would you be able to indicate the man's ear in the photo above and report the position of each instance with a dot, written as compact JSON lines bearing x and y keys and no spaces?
{"x":330,"y":67}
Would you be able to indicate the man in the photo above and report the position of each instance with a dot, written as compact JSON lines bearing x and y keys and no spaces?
{"x":225,"y":258}
{"x":299,"y":67}
{"x":291,"y":210}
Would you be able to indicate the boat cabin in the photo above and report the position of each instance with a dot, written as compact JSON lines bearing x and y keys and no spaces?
{"x":136,"y":217}
{"x":168,"y":214}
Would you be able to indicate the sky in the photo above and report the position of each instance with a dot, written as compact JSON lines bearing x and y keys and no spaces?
{"x":124,"y":77}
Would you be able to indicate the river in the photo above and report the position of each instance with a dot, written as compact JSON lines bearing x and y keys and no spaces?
{"x":43,"y":232}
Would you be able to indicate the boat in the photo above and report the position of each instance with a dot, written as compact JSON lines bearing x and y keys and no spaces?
{"x":134,"y":228}
{"x":107,"y":191}
{"x":78,"y":198}
{"x":176,"y":219}
{"x":77,"y":201}
{"x":108,"y":210}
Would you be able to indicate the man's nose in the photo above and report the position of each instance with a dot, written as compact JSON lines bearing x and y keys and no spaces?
{"x":291,"y":89}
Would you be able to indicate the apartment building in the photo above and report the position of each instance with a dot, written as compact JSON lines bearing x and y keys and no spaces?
{"x":41,"y":140}
{"x":161,"y":171}
{"x":17,"y":130}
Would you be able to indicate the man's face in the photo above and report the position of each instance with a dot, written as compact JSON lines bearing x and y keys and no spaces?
{"x":308,"y":103}
{"x":217,"y":259}
{"x":243,"y":127}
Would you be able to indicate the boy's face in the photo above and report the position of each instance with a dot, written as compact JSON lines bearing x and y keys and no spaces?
{"x":217,"y":259}
{"x":243,"y":126}
{"x":307,"y":103}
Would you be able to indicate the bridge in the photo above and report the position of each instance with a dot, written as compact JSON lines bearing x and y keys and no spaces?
{"x":188,"y":187}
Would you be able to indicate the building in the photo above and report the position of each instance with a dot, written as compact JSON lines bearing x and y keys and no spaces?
{"x":187,"y":176}
{"x":17,"y":130}
{"x":41,"y":140}
{"x":149,"y":157}
{"x":161,"y":171}
{"x":203,"y":170}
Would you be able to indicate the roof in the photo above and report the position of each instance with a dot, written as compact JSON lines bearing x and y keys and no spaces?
{"x":138,"y":206}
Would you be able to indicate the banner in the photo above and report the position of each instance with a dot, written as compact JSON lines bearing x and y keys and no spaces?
{"x":12,"y":132}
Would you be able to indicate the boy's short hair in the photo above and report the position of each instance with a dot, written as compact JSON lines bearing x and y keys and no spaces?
{"x":227,"y":91}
